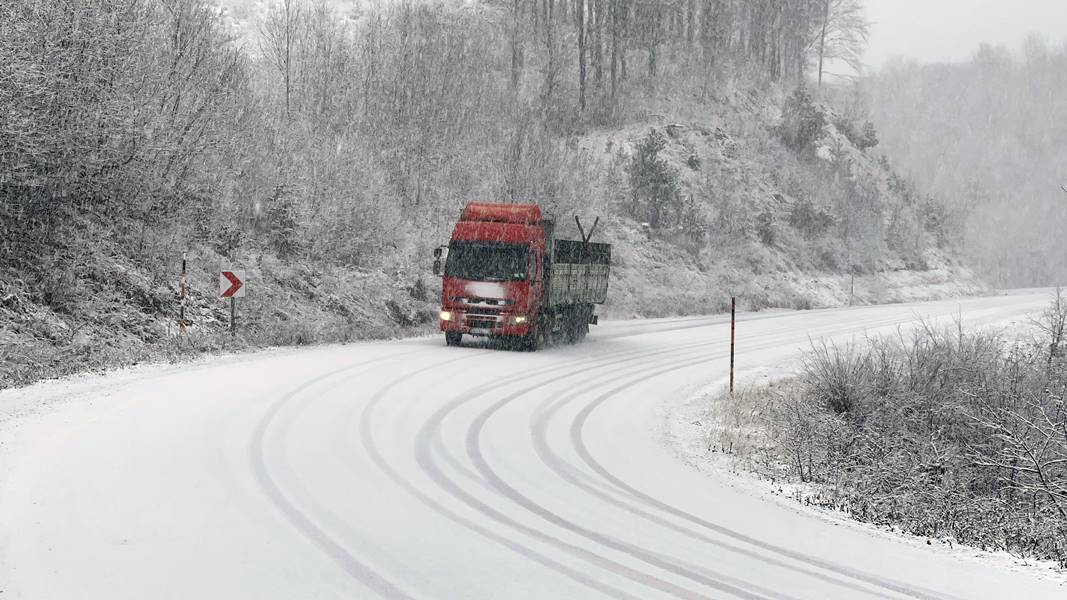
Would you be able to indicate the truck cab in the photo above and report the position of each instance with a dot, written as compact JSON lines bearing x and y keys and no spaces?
{"x":493,"y":275}
{"x":497,"y":279}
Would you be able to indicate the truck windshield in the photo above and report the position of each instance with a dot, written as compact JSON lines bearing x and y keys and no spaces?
{"x":486,"y":261}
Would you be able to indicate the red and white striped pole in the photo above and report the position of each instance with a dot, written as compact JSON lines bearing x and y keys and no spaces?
{"x":733,"y":339}
{"x":181,"y":310}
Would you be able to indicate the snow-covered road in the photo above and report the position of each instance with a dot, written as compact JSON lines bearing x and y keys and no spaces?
{"x":412,"y":470}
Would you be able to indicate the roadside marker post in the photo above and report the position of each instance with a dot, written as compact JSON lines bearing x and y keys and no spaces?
{"x":733,"y":339}
{"x":232,"y":286}
{"x":184,"y":289}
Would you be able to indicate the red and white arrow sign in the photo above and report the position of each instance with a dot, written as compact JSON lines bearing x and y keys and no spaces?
{"x":232,"y":284}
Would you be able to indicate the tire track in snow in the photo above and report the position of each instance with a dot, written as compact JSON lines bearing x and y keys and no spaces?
{"x":369,"y":444}
{"x":680,"y":568}
{"x":539,"y":431}
{"x":698,"y":574}
{"x":326,"y":543}
{"x":578,"y":441}
{"x":539,"y":422}
{"x":425,"y":441}
{"x":303,"y":523}
{"x":711,"y":579}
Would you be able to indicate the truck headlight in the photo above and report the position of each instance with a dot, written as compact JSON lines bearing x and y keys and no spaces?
{"x":446,"y":315}
{"x":519,"y":320}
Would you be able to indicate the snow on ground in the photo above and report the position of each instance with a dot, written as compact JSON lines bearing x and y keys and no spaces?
{"x":411,"y":470}
{"x":697,"y":424}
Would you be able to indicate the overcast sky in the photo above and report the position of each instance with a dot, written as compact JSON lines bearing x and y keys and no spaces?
{"x":950,"y":30}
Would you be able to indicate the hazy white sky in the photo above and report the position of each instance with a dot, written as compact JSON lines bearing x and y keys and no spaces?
{"x":950,"y":30}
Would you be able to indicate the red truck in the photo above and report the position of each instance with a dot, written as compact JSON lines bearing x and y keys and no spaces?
{"x":506,"y":276}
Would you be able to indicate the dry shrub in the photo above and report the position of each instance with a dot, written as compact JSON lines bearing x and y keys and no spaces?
{"x":945,"y":434}
{"x":837,"y":378}
{"x":812,"y":441}
{"x":734,"y":421}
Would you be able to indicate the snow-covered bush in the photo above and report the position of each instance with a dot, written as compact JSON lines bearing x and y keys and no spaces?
{"x":802,"y":120}
{"x":948,"y":434}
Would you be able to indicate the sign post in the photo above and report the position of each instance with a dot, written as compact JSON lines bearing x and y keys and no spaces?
{"x":184,"y":289}
{"x":232,"y":286}
{"x":733,"y":339}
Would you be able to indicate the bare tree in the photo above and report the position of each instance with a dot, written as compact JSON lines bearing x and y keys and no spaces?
{"x":278,"y":31}
{"x":1053,"y":324}
{"x":614,"y":22}
{"x":580,"y":22}
{"x":548,"y":12}
{"x":198,"y":93}
{"x":515,"y":42}
{"x":843,"y":34}
{"x":650,"y":29}
{"x":1033,"y":450}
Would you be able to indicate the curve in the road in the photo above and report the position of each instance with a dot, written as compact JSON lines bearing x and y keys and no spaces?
{"x":429,"y":448}
{"x":424,"y":456}
{"x":701,"y":575}
{"x":539,"y":423}
{"x":578,"y":441}
{"x":677,"y":567}
{"x":539,"y":426}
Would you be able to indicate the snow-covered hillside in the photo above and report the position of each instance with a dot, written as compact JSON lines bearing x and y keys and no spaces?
{"x":328,"y":155}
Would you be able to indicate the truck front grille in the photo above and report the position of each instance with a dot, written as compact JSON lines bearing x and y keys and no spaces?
{"x":481,"y":322}
{"x":482,"y":312}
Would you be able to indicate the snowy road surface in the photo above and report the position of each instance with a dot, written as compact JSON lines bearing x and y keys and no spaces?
{"x":412,"y":470}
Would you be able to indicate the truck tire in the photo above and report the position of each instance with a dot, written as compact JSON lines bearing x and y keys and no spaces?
{"x":453,"y":339}
{"x":536,"y":339}
{"x":573,"y":327}
{"x":582,"y":319}
{"x":570,"y":331}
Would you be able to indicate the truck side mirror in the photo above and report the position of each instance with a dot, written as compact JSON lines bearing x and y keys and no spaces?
{"x":437,"y":267}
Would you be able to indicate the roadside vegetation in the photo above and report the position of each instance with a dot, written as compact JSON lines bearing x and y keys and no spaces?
{"x":325,"y":148}
{"x":952,"y":435}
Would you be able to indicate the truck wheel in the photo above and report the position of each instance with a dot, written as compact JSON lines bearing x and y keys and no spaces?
{"x":581,"y":323}
{"x":535,"y":340}
{"x":570,"y":333}
{"x":453,"y":339}
{"x":572,"y":328}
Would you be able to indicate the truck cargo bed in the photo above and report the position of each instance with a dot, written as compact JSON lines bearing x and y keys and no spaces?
{"x":579,"y":273}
